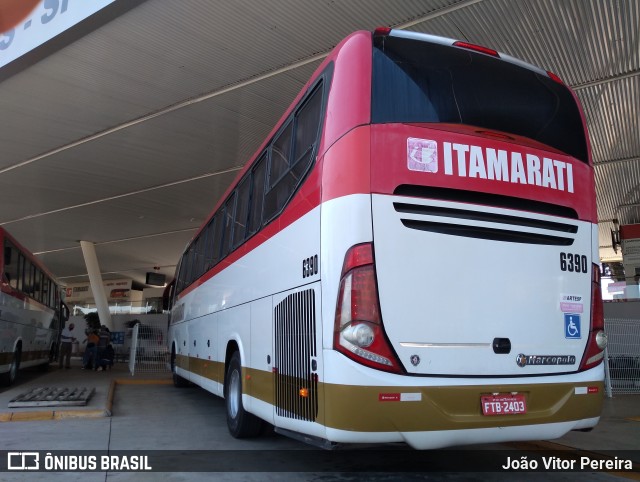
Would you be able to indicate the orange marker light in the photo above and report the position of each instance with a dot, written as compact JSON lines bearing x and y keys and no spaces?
{"x":304,"y":392}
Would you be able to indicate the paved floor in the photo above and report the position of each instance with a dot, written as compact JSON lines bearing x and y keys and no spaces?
{"x":184,"y":430}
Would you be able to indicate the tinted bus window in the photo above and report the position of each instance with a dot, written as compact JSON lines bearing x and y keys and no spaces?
{"x":257,"y":196}
{"x":423,"y":82}
{"x":198,"y":262}
{"x":217,"y":236}
{"x":187,"y":265}
{"x":307,"y":124}
{"x":37,"y":285}
{"x":11,"y":264}
{"x":280,"y":180}
{"x":28,"y":277}
{"x":242,"y":211}
{"x":228,"y":224}
{"x":20,"y":273}
{"x":209,"y":246}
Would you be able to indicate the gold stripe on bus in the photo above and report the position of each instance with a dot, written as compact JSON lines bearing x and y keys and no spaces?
{"x":210,"y":369}
{"x":259,"y":384}
{"x":7,"y":357}
{"x":449,"y":408}
{"x":381,"y":409}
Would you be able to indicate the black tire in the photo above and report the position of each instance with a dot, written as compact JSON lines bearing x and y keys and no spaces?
{"x":8,"y":378}
{"x":241,"y":423}
{"x":178,"y":381}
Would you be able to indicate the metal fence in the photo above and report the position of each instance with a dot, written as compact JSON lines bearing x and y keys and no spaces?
{"x":622,"y":360}
{"x":148,"y":352}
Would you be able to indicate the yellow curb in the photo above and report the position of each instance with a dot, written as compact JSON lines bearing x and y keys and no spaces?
{"x":129,"y":381}
{"x":634,"y":419}
{"x":31,"y":416}
{"x":89,"y":413}
{"x":61,"y":415}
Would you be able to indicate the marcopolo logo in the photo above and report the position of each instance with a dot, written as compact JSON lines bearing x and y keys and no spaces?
{"x":523,"y":360}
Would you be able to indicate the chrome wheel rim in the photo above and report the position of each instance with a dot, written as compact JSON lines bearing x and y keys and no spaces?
{"x":234,"y":394}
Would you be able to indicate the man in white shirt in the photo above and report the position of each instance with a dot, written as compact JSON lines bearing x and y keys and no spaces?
{"x":66,"y":339}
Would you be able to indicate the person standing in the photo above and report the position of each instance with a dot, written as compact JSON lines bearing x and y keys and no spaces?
{"x":103,"y":341}
{"x":90,"y":357}
{"x":66,"y":339}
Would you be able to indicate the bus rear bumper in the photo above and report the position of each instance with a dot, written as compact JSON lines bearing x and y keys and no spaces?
{"x":427,"y":440}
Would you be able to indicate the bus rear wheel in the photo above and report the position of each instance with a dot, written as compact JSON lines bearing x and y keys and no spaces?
{"x":9,"y":377}
{"x":241,"y":423}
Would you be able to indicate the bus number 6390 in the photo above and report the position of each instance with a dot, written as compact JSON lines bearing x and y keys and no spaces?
{"x":573,"y":263}
{"x":310,"y":266}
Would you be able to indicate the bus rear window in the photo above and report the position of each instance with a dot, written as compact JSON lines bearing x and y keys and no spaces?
{"x":416,"y":82}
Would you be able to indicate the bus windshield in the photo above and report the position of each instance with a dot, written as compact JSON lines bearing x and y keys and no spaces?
{"x":423,"y":82}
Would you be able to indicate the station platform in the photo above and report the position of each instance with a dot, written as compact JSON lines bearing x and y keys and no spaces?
{"x":145,"y":412}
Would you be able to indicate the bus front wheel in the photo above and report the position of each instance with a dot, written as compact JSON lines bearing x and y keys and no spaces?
{"x":241,"y":423}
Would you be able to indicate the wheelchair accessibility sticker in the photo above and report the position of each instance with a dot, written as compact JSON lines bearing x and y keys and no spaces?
{"x":572,"y":326}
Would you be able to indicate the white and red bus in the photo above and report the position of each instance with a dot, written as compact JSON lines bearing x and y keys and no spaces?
{"x":409,"y":257}
{"x":31,"y":311}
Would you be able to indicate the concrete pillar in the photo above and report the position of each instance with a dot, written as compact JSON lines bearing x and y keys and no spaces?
{"x":97,"y":287}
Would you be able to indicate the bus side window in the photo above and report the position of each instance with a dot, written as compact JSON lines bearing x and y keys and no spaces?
{"x":180,"y":282}
{"x":198,"y":261}
{"x":187,"y":265}
{"x":281,"y":182}
{"x":37,"y":284}
{"x":242,"y":212}
{"x":27,"y":278}
{"x":10,"y":265}
{"x":217,"y":236}
{"x":257,"y":196}
{"x":209,"y":245}
{"x":20,"y":273}
{"x":306,"y":136}
{"x":228,"y":224}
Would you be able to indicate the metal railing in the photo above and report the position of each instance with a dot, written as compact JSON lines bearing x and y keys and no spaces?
{"x":148,"y":352}
{"x":622,"y":356}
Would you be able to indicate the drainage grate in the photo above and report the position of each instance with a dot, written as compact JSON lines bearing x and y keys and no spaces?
{"x":53,"y":397}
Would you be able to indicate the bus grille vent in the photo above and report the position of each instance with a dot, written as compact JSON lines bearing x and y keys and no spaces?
{"x":296,"y":385}
{"x":486,"y":225}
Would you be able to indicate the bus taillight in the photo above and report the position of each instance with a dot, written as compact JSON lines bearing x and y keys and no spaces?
{"x":477,"y":48}
{"x":358,"y":331}
{"x":381,"y":31}
{"x":554,"y":77}
{"x":597,"y":341}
